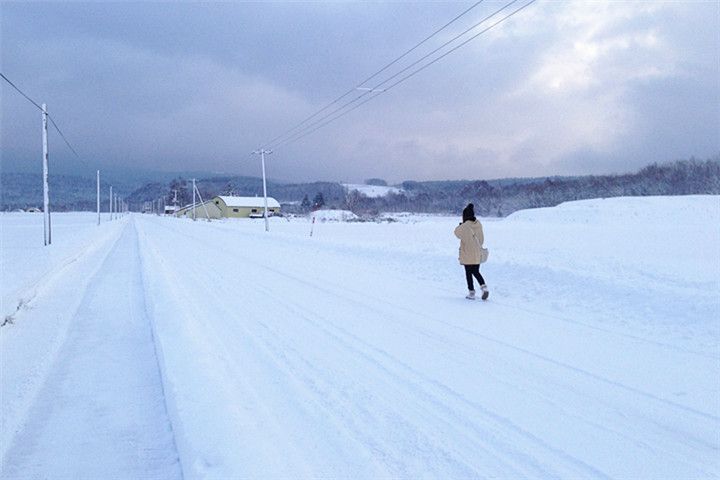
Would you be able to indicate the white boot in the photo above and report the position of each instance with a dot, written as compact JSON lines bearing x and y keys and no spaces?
{"x":470,"y":295}
{"x":485,"y":292}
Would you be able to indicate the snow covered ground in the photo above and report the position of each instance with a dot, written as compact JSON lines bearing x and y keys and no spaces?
{"x":372,"y":190}
{"x":217,"y":350}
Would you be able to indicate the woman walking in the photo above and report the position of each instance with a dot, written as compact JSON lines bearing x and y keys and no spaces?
{"x":471,"y":237}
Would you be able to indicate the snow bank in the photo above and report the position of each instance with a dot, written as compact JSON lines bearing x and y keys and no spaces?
{"x":691,"y":209}
{"x":25,"y":262}
{"x":333,"y":215}
{"x":668,"y":240}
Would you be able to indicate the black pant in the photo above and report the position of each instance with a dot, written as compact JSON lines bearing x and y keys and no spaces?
{"x":470,"y":271}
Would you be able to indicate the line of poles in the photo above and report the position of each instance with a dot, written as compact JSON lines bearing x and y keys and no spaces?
{"x":117,"y":205}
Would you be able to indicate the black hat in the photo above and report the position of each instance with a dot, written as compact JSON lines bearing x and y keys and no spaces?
{"x":469,"y":213}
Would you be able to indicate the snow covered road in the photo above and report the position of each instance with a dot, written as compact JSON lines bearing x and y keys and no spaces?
{"x":101,"y":410}
{"x":352,"y":354}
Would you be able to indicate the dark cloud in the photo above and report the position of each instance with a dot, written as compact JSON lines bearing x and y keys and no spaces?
{"x":566,"y":88}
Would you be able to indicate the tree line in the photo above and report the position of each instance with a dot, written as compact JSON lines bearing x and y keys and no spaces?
{"x":491,"y":197}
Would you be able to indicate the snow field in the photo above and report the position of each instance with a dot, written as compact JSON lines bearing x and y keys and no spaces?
{"x":354,"y":360}
{"x":353,"y":354}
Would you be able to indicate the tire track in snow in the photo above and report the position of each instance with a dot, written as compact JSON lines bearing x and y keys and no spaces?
{"x":346,"y":296}
{"x":457,"y":418}
{"x":212,"y":294}
{"x":353,"y":299}
{"x":453,"y":292}
{"x":290,"y":456}
{"x":372,"y":307}
{"x":435,"y":406}
{"x":335,"y":291}
{"x":292,"y":373}
{"x":428,"y":382}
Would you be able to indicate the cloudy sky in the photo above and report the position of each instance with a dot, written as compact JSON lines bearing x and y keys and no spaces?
{"x":571,"y":87}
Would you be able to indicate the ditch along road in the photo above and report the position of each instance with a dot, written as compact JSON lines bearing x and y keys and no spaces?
{"x":205,"y":352}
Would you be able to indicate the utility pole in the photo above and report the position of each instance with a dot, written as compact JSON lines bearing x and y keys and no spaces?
{"x":202,"y":202}
{"x":98,"y":196}
{"x":262,"y":153}
{"x":193,"y":199}
{"x":110,"y":204}
{"x":46,"y":195}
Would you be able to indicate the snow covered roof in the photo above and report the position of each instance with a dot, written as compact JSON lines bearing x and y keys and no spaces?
{"x":254,"y":202}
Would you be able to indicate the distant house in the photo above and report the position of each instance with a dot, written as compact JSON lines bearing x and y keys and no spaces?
{"x":202,"y":210}
{"x":247,"y":207}
{"x":33,"y":210}
{"x":170,"y":209}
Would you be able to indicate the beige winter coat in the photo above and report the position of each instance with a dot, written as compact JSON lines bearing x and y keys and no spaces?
{"x":471,"y":238}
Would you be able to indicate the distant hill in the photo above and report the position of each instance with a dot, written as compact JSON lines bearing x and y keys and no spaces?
{"x":70,"y":192}
{"x":504,"y":196}
{"x":498,"y":197}
{"x":24,"y":190}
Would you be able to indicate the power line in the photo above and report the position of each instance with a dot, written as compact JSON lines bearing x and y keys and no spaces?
{"x":320,"y":120}
{"x":52,"y":120}
{"x":21,"y":92}
{"x":448,"y":43}
{"x":319,"y":124}
{"x":310,"y":129}
{"x":65,"y":139}
{"x":416,"y":46}
{"x":374,"y":74}
{"x":518,"y":10}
